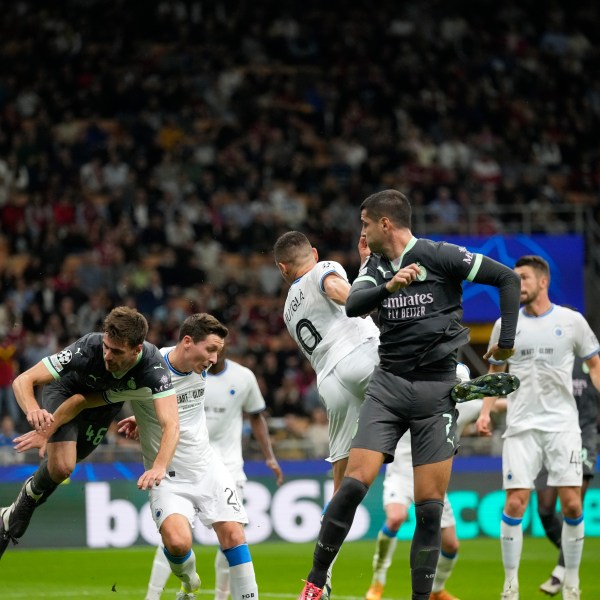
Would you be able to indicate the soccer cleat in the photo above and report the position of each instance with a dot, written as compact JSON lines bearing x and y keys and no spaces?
{"x":571,"y":593}
{"x":21,"y":510}
{"x":510,"y":595}
{"x":492,"y":384}
{"x":551,"y":586}
{"x":326,"y":592}
{"x":375,"y":591}
{"x":190,"y":594}
{"x":442,"y":595}
{"x":5,"y":537}
{"x":310,"y":592}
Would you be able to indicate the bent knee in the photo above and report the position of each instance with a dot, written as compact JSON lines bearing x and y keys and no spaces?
{"x":230,"y":534}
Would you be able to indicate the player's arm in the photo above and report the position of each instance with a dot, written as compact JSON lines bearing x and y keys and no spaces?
{"x":66,"y":412}
{"x":593,"y":364}
{"x":168,"y":418}
{"x":260,"y":430}
{"x":24,"y":388}
{"x":484,"y":421}
{"x":491,"y":272}
{"x":336,"y":288}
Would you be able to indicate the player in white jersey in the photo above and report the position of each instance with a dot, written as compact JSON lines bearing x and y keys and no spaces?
{"x":398,"y":496}
{"x":196,"y":482}
{"x":342,"y":350}
{"x":231,"y":391}
{"x":542,"y":420}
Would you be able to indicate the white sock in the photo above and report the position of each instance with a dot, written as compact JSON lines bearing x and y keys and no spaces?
{"x":221,"y":576}
{"x":159,"y":575}
{"x":511,"y":542}
{"x":443,"y":571}
{"x":184,"y":568}
{"x":241,"y":573}
{"x":384,"y":552}
{"x":572,"y":547}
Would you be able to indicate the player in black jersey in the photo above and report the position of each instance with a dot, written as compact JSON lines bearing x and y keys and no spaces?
{"x":117,"y":360}
{"x":416,"y":286}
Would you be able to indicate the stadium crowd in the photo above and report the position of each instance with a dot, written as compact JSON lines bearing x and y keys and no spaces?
{"x":151,"y":154}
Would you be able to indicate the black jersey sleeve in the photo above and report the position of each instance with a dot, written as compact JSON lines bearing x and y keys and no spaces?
{"x":365,"y":294}
{"x":492,"y":272}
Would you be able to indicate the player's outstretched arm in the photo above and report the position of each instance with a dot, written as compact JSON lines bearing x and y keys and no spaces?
{"x":24,"y":389}
{"x":260,"y":430}
{"x":168,"y":418}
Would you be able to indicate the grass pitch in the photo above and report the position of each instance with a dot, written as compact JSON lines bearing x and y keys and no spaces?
{"x":123,"y":574}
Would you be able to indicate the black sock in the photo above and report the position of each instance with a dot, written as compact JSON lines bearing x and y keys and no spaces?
{"x":552,"y":524}
{"x":425,"y":548}
{"x":42,"y":483}
{"x":337,"y":521}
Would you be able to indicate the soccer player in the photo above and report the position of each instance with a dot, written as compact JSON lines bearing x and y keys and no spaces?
{"x":232,"y":390}
{"x":416,"y":284}
{"x":197,"y":482}
{"x":342,"y":350}
{"x":96,"y":365}
{"x":542,"y":425}
{"x":398,"y":496}
{"x":587,"y":399}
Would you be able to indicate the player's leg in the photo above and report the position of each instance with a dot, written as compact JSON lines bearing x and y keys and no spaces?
{"x":241,"y":568}
{"x":552,"y":522}
{"x":222,"y":587}
{"x":448,"y":554}
{"x":159,"y":574}
{"x":385,"y":546}
{"x":433,"y":445}
{"x":563,"y":453}
{"x":173,"y":512}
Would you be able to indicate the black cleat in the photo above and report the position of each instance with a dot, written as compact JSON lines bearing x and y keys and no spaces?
{"x":5,"y":537}
{"x":492,"y":384}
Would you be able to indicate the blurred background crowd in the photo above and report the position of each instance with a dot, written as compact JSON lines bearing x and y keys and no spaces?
{"x":151,"y":154}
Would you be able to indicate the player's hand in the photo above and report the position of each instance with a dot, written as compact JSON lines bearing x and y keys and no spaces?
{"x":40,"y":419}
{"x":500,"y":354}
{"x":363,"y":250}
{"x":151,"y":478}
{"x":483,"y":425}
{"x":403,"y":278}
{"x":128,"y":427}
{"x":274,"y":466}
{"x":30,"y":440}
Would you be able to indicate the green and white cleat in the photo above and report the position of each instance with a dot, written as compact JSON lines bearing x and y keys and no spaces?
{"x":492,"y":384}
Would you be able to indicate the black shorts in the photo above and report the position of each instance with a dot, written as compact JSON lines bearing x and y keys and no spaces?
{"x":394,"y":405}
{"x":88,"y":428}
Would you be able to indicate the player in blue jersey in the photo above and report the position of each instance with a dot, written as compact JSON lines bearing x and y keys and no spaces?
{"x":95,"y":365}
{"x":416,"y":285}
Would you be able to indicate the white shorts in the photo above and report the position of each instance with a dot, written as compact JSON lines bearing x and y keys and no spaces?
{"x":342,"y":391}
{"x":398,"y":487}
{"x":211,"y":499}
{"x":524,"y":454}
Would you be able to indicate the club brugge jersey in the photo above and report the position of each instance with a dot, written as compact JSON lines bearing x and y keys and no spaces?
{"x":319,"y":326}
{"x":80,"y":368}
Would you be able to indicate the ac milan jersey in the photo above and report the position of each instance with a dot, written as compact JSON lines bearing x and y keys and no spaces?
{"x":319,"y":326}
{"x":229,"y":394}
{"x":80,"y":367}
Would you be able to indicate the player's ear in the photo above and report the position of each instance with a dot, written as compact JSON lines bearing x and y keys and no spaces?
{"x":315,"y":254}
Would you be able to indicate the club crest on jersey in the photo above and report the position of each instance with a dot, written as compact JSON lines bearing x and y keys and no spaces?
{"x":422,"y":273}
{"x":558,"y":332}
{"x":232,"y":392}
{"x":131,"y":384}
{"x":164,"y":379}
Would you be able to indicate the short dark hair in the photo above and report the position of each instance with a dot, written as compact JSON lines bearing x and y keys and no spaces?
{"x":391,"y":204}
{"x":286,"y":247}
{"x":126,"y":324}
{"x":200,"y":325}
{"x":535,"y":262}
